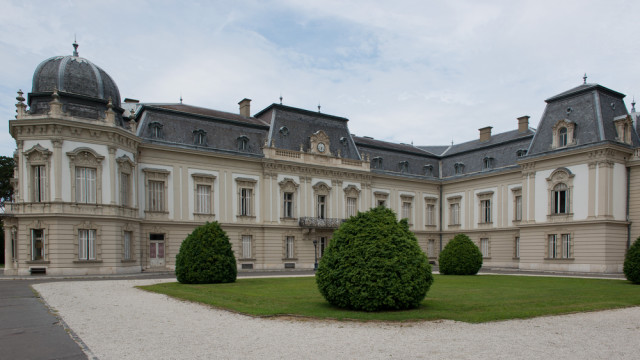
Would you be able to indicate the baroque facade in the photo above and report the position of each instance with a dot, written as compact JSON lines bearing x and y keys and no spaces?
{"x":105,"y":187}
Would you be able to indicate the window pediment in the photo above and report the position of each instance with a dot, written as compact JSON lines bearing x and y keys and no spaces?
{"x":563,"y":133}
{"x":321,"y":188}
{"x":37,"y":153}
{"x":288,"y":185}
{"x":351,"y":191}
{"x":125,"y":164}
{"x":85,"y":157}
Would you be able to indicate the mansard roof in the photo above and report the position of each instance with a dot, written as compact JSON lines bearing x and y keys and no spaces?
{"x":407,"y":160}
{"x":496,"y":139}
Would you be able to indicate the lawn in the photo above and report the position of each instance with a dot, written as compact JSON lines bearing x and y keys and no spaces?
{"x":464,"y":298}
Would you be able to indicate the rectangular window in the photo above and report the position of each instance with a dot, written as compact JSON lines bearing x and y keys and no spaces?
{"x":516,"y":252}
{"x":127,"y":245}
{"x":322,"y":207}
{"x":85,"y":185}
{"x":156,"y":195}
{"x":560,"y":199}
{"x":39,"y":183}
{"x":14,"y":245}
{"x":124,"y":189}
{"x":484,"y":247}
{"x":455,"y":214}
{"x":246,"y":246}
{"x":566,"y":246}
{"x":289,"y":254}
{"x":431,"y":248}
{"x":382,"y":203}
{"x":86,"y":244}
{"x":288,"y":205}
{"x":245,"y":202}
{"x":321,"y":246}
{"x":518,"y":208}
{"x":38,"y":245}
{"x":553,"y":246}
{"x":352,"y":207}
{"x":203,"y":199}
{"x":485,"y":211}
{"x":431,"y":215}
{"x":406,"y":210}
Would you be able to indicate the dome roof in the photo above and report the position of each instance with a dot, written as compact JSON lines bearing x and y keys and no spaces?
{"x":76,"y":75}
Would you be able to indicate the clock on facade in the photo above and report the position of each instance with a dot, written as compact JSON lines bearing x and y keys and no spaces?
{"x":321,"y":147}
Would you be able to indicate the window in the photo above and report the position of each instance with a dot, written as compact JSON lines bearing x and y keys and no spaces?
{"x":124,"y":189}
{"x":322,"y":244}
{"x":203,"y":199}
{"x":431,"y":214}
{"x":458,"y":168}
{"x":321,"y":206}
{"x":243,"y":143}
{"x":553,"y":246}
{"x":560,"y":199}
{"x":381,"y":198}
{"x":562,"y":137}
{"x":382,"y":203}
{"x":85,"y":185}
{"x":288,"y":205}
{"x":38,"y":245}
{"x":39,"y":182}
{"x":518,"y":208}
{"x":289,"y":253}
{"x":485,"y":211}
{"x":454,"y":214}
{"x":156,"y":196}
{"x":127,"y":245}
{"x":403,"y":166}
{"x":484,"y":247}
{"x":516,"y":248}
{"x":559,"y":247}
{"x":14,"y":244}
{"x":200,"y":137}
{"x":487,"y":163}
{"x":521,"y":153}
{"x":566,"y":246}
{"x":245,"y":201}
{"x":623,"y":124}
{"x":376,"y":162}
{"x":428,"y":170}
{"x":86,"y":244}
{"x":431,"y":248}
{"x":246,"y":246}
{"x":407,"y":204}
{"x":156,"y":130}
{"x":352,"y":206}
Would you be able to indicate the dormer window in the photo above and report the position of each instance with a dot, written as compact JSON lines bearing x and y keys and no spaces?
{"x":156,"y":130}
{"x":623,"y":126}
{"x":562,"y":137}
{"x":343,"y":141}
{"x":428,"y":170}
{"x":403,"y":166}
{"x":563,"y":134}
{"x":376,"y":162}
{"x":200,"y":137}
{"x":458,"y":168}
{"x":487,"y":163}
{"x":243,"y":143}
{"x":521,"y":153}
{"x":284,"y":131}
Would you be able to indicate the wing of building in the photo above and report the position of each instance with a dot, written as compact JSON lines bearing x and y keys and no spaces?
{"x":104,"y":187}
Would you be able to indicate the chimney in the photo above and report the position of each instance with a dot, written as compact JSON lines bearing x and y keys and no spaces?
{"x":245,"y":107}
{"x":485,"y":133}
{"x":131,"y":101}
{"x":523,"y":124}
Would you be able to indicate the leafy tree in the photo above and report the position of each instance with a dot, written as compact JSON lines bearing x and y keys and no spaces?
{"x":206,"y":257}
{"x":631,"y":267}
{"x":374,"y":262}
{"x":460,"y":257}
{"x":6,"y":173}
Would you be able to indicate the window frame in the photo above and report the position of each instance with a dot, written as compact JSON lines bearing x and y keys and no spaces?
{"x":246,"y":247}
{"x":159,"y":178}
{"x":352,"y":195}
{"x":321,"y":195}
{"x":126,"y":167}
{"x":288,"y":187}
{"x":485,"y":207}
{"x":88,"y":159}
{"x":485,"y":247}
{"x":38,"y":156}
{"x":43,"y":240}
{"x":289,"y":247}
{"x":207,"y":181}
{"x":246,"y":196}
{"x":455,"y":216}
{"x":87,"y":244}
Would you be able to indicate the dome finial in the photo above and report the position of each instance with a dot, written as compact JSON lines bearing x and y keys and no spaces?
{"x":633,"y":104}
{"x":584,"y":79}
{"x":75,"y":46}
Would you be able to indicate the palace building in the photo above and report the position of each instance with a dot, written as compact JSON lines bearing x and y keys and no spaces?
{"x":103,"y":186}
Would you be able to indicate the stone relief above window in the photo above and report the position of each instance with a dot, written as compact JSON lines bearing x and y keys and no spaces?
{"x":560,"y":198}
{"x":563,"y":134}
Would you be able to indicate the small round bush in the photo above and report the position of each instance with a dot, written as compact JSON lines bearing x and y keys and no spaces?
{"x":206,"y":257}
{"x":631,"y":266}
{"x":372,"y":263}
{"x":460,"y":257}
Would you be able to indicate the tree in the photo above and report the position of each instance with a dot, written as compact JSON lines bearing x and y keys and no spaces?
{"x":7,"y":165}
{"x":631,"y":267}
{"x":460,"y":257}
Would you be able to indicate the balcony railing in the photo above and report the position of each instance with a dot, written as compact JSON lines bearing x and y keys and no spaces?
{"x":315,"y":222}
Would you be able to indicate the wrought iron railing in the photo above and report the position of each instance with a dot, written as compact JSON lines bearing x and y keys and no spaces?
{"x":315,"y":222}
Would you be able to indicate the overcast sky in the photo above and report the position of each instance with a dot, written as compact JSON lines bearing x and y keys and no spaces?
{"x":427,"y":72}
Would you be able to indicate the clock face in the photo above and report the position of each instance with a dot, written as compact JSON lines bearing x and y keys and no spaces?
{"x":321,"y":147}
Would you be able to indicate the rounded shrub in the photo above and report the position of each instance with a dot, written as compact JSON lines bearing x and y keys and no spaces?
{"x":372,"y":263}
{"x":631,"y":266}
{"x":206,"y":257}
{"x":460,"y":257}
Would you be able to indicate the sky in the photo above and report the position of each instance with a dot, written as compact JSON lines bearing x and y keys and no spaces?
{"x":422,"y":72}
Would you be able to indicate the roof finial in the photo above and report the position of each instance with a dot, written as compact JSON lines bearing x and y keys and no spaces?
{"x":75,"y":45}
{"x":584,"y":78}
{"x":633,"y":104}
{"x":280,"y":98}
{"x":180,"y":98}
{"x":318,"y":107}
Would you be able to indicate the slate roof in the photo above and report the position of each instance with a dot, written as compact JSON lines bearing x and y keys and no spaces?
{"x":434,"y":149}
{"x":393,"y":154}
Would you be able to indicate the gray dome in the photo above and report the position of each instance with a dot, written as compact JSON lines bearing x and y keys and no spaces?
{"x":76,"y":75}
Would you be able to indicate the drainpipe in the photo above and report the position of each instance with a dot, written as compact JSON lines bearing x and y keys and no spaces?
{"x":627,"y":210}
{"x":440,"y":218}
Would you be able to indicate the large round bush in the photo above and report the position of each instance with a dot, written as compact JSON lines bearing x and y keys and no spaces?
{"x":206,"y":257}
{"x":372,"y":263}
{"x":460,"y":257}
{"x":631,"y":266}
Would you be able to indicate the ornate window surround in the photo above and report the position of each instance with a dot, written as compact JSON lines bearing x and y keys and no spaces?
{"x":250,"y":184}
{"x":88,"y":225}
{"x":351,"y":191}
{"x":286,"y":235}
{"x":38,"y":225}
{"x":128,"y":227}
{"x":126,"y":166}
{"x":322,"y":189}
{"x":407,"y":199}
{"x":485,"y":218}
{"x":288,"y":185}
{"x":431,"y":201}
{"x":570,"y":126}
{"x":623,"y":126}
{"x":206,"y":180}
{"x":160,"y":175}
{"x":560,"y":176}
{"x":517,"y":192}
{"x":85,"y":157}
{"x":381,"y":196}
{"x":455,"y":200}
{"x":38,"y":156}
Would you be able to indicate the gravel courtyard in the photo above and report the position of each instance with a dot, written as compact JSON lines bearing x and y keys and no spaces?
{"x":117,"y":321}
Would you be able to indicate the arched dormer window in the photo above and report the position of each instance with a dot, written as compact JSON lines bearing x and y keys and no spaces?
{"x":562,"y":137}
{"x":156,"y":130}
{"x":376,"y":162}
{"x":243,"y":143}
{"x":623,"y":126}
{"x":487,"y":163}
{"x":200,"y":137}
{"x":428,"y":170}
{"x":403,"y":166}
{"x":458,"y":168}
{"x":563,"y":134}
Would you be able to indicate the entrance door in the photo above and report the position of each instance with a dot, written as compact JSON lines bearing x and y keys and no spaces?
{"x":156,"y":250}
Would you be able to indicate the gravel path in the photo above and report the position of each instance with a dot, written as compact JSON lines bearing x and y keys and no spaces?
{"x":117,"y":321}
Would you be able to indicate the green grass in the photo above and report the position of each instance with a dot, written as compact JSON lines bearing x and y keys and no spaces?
{"x":464,"y":298}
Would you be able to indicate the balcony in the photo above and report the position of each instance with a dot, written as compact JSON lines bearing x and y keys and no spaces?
{"x":320,"y":223}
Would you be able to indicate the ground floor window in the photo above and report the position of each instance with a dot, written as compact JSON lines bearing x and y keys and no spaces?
{"x":560,"y":247}
{"x":516,"y":248}
{"x":484,"y":247}
{"x":38,"y":244}
{"x":431,"y":248}
{"x":289,"y":253}
{"x":86,"y":244}
{"x":127,"y":245}
{"x":246,"y":246}
{"x":322,"y":244}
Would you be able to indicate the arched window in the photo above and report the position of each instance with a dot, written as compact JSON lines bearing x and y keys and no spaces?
{"x":243,"y":143}
{"x":156,"y":130}
{"x":560,"y":198}
{"x":487,"y":163}
{"x":200,"y":137}
{"x":458,"y":168}
{"x":562,"y":134}
{"x":404,"y":166}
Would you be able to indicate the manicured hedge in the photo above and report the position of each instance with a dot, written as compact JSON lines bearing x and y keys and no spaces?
{"x":206,"y":257}
{"x":460,"y":257}
{"x":631,"y":266}
{"x":372,"y":263}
